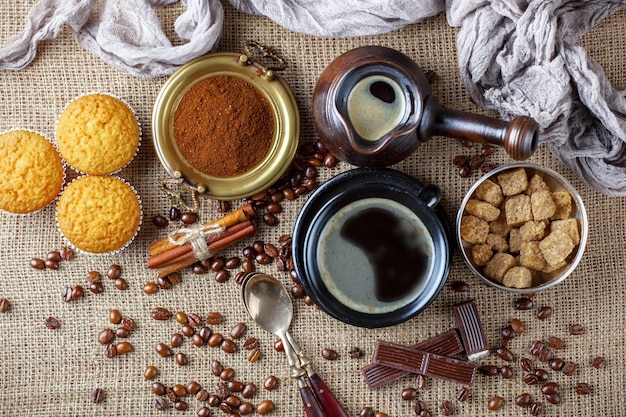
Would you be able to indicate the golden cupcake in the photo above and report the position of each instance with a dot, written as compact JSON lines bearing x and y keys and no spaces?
{"x":31,"y":170}
{"x":99,"y":214}
{"x":98,"y":134}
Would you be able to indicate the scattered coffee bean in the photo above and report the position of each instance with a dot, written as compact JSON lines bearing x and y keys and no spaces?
{"x":278,"y":345}
{"x":122,"y":333}
{"x":526,"y":364}
{"x":227,"y":374}
{"x":193,"y":387}
{"x":495,"y":403}
{"x":96,"y":287}
{"x":158,"y":388}
{"x":179,"y":390}
{"x":355,"y":353}
{"x":180,"y":405}
{"x":216,"y":368}
{"x":254,"y":355}
{"x":545,"y":354}
{"x":569,"y":368}
{"x":159,"y":221}
{"x":465,"y":171}
{"x":180,"y":317}
{"x":542,"y":375}
{"x":523,"y":400}
{"x":181,"y":359}
{"x":270,"y":382}
{"x":238,"y":330}
{"x":409,"y":394}
{"x":197,"y":340}
{"x":171,"y":395}
{"x":447,"y":408}
{"x":54,"y":255}
{"x":555,"y":342}
{"x":246,"y":408}
{"x":506,"y":372}
{"x":460,"y":286}
{"x":517,"y":326}
{"x":187,"y":330}
{"x":106,"y":336}
{"x":67,"y":253}
{"x":419,"y":407}
{"x":330,"y":354}
{"x":4,"y":305}
{"x":160,"y":313}
{"x":380,"y":414}
{"x":110,"y":351}
{"x":233,"y":400}
{"x":505,"y":354}
{"x":420,"y":381}
{"x":151,"y":372}
{"x":549,"y":388}
{"x":204,"y":412}
{"x":50,"y":264}
{"x":235,"y":386}
{"x":97,"y":396}
{"x":459,"y":161}
{"x":150,"y":288}
{"x":508,"y":332}
{"x":214,"y":400}
{"x":576,"y":329}
{"x":250,"y":343}
{"x":164,"y":283}
{"x":228,"y":346}
{"x":67,"y":294}
{"x":202,"y":395}
{"x":174,"y":213}
{"x":462,"y":394}
{"x":544,"y":312}
{"x":582,"y":388}
{"x":531,"y":379}
{"x":265,"y":407}
{"x":128,"y":324}
{"x":535,"y":408}
{"x":93,"y":276}
{"x":51,"y":323}
{"x":164,"y":350}
{"x":123,"y":348}
{"x":523,"y":303}
{"x":160,"y":404}
{"x":188,"y":217}
{"x":489,"y":370}
{"x":556,"y":364}
{"x":37,"y":263}
{"x":249,"y":390}
{"x":214,"y":318}
{"x":114,"y":272}
{"x":194,"y":320}
{"x":599,"y":362}
{"x":553,"y":398}
{"x":536,"y":347}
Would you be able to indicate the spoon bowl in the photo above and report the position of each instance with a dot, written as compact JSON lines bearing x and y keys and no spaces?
{"x":268,"y":303}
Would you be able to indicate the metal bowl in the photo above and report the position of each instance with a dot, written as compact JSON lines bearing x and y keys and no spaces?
{"x":556,"y":182}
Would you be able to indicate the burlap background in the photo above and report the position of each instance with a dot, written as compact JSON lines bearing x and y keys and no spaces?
{"x":44,"y":373}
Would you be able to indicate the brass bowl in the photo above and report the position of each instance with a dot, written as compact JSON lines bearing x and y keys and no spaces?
{"x":269,"y":84}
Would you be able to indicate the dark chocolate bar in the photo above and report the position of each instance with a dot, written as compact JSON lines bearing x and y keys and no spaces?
{"x":445,"y":344}
{"x":424,"y":363}
{"x":471,"y":330}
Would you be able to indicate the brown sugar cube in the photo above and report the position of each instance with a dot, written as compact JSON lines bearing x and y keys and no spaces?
{"x":532,"y":230}
{"x":531,"y":256}
{"x":481,"y":253}
{"x":482,"y":210}
{"x":570,"y":226}
{"x":551,"y":268}
{"x":518,"y":277}
{"x":497,"y":242}
{"x":499,"y":226}
{"x":556,"y":247}
{"x":563,"y":202}
{"x":474,"y":230}
{"x":489,"y":192}
{"x":498,"y":265}
{"x":515,"y":241}
{"x":536,"y":183}
{"x":513,"y":182}
{"x":542,"y":204}
{"x":518,"y":210}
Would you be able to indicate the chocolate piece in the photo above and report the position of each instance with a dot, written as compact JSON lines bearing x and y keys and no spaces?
{"x":471,"y":330}
{"x":424,"y":363}
{"x":446,"y":344}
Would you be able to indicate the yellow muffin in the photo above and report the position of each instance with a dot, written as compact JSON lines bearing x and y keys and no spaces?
{"x":98,"y":134}
{"x":31,"y":171}
{"x":99,"y":214}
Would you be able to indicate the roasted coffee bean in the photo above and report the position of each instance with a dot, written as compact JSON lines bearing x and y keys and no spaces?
{"x":214,"y":318}
{"x":270,"y":382}
{"x":523,"y":400}
{"x":216,"y":367}
{"x":555,"y":343}
{"x":197,"y":340}
{"x":160,"y":404}
{"x":128,"y":323}
{"x":181,"y":359}
{"x":232,"y":262}
{"x":205,"y":332}
{"x":50,"y":264}
{"x":271,"y":250}
{"x":93,"y":276}
{"x":67,"y":253}
{"x":289,"y":194}
{"x":174,"y":213}
{"x":97,"y":396}
{"x":180,"y":317}
{"x":96,"y":287}
{"x":171,"y":395}
{"x":459,"y":161}
{"x":355,"y":353}
{"x":523,"y":303}
{"x":245,"y":408}
{"x":506,"y":372}
{"x":536,"y":347}
{"x":248,"y":266}
{"x":476,"y":161}
{"x":487,"y":150}
{"x":517,"y":326}
{"x":249,"y":390}
{"x":582,"y":388}
{"x":505,"y":354}
{"x":487,"y":167}
{"x":151,"y":372}
{"x":297,"y":291}
{"x":194,"y":320}
{"x":553,"y":398}
{"x":330,"y":160}
{"x":227,"y":374}
{"x":254,"y":355}
{"x":542,"y":375}
{"x":508,"y":332}
{"x":240,"y":277}
{"x":235,"y":386}
{"x":233,"y":401}
{"x":545,"y":354}
{"x":77,"y":292}
{"x":180,"y":390}
{"x":598,"y":362}
{"x":158,"y":388}
{"x":115,"y":316}
{"x":4,"y":305}
{"x":160,"y":313}
{"x":217,"y":264}
{"x":462,"y":394}
{"x":180,"y":405}
{"x":447,"y":408}
{"x":278,"y":345}
{"x":549,"y":388}
{"x":204,"y":412}
{"x":175,"y":278}
{"x":150,"y":288}
{"x":263,"y":259}
{"x":67,"y":294}
{"x":409,"y":394}
{"x":214,"y":400}
{"x":270,"y":220}
{"x":420,"y":381}
{"x":531,"y":379}
{"x":37,"y":263}
{"x":189,"y":217}
{"x":176,"y":340}
{"x":526,"y":364}
{"x":556,"y":364}
{"x":187,"y":330}
{"x":465,"y":171}
{"x":50,"y":322}
{"x":274,"y":208}
{"x":114,"y":272}
{"x":265,"y":407}
{"x":238,"y":330}
{"x":495,"y":403}
{"x":123,"y":348}
{"x":198,"y":269}
{"x":460,"y":286}
{"x":164,"y":283}
{"x":110,"y":351}
{"x":569,"y":368}
{"x":106,"y":336}
{"x":249,"y":252}
{"x":419,"y":407}
{"x":228,"y":346}
{"x":226,"y":408}
{"x":330,"y":354}
{"x":159,"y":221}
{"x":221,"y":390}
{"x":576,"y":329}
{"x":164,"y":350}
{"x":535,"y":408}
{"x":193,"y":387}
{"x":202,"y":395}
{"x":250,"y":343}
{"x":122,"y":333}
{"x":544,"y":312}
{"x":489,"y":370}
{"x":259,"y":246}
{"x":222,"y":276}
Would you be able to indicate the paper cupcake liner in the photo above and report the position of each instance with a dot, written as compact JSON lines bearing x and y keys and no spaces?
{"x":132,"y":110}
{"x":63,"y":164}
{"x":113,"y":252}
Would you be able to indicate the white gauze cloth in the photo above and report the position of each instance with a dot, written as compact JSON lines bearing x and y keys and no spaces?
{"x":518,"y":57}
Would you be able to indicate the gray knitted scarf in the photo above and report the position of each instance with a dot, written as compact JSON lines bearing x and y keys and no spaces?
{"x":518,"y":57}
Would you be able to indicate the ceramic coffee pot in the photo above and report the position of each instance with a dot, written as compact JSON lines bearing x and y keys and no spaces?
{"x":373,"y":106}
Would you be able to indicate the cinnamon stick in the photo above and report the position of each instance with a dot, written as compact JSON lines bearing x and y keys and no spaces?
{"x":186,"y":260}
{"x":157,"y":260}
{"x":243,"y":213}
